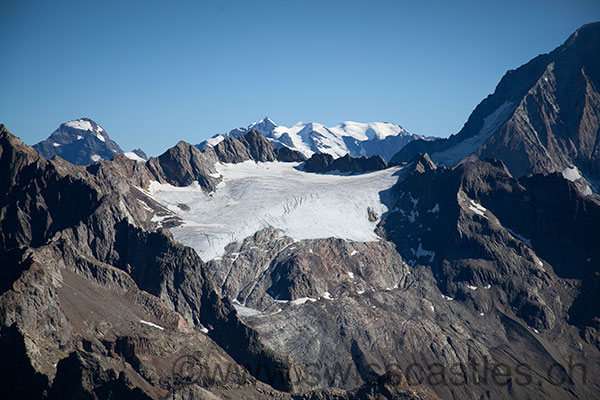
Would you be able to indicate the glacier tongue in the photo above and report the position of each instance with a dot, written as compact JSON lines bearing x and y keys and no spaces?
{"x":253,"y":196}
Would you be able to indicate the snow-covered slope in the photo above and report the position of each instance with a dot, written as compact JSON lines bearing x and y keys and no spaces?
{"x":355,"y":138}
{"x":253,"y":196}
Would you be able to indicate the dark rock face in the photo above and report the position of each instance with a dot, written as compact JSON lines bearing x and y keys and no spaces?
{"x":140,"y":153}
{"x":183,"y":164}
{"x":320,"y":162}
{"x":542,"y":117}
{"x":252,"y":146}
{"x":80,"y":142}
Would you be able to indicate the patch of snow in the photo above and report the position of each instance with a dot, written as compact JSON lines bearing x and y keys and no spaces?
{"x":354,"y":252}
{"x":245,"y":311}
{"x":481,"y":314}
{"x":56,"y":144}
{"x":132,"y":156}
{"x":215,"y":175}
{"x":472,"y":287}
{"x":152,"y":325}
{"x":447,"y":297}
{"x":80,"y":124}
{"x":432,"y":308}
{"x":158,"y":218}
{"x":572,"y":174}
{"x":535,"y":330}
{"x":303,"y":300}
{"x":100,"y":137}
{"x":360,"y":291}
{"x":79,"y":137}
{"x":253,"y":196}
{"x":412,"y":217}
{"x":588,"y":191}
{"x":95,"y":157}
{"x":477,"y":208}
{"x":327,"y":296}
{"x":413,"y":200}
{"x":521,"y":238}
{"x":351,"y":275}
{"x":204,"y":330}
{"x":435,"y":208}
{"x":422,"y":253}
{"x":213,"y":141}
{"x":487,"y":287}
{"x":492,"y":122}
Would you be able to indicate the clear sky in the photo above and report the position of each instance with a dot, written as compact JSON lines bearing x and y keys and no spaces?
{"x":155,"y":72}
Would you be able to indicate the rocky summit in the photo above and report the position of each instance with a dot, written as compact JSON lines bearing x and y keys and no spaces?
{"x":465,"y":268}
{"x":83,"y":142}
{"x":543,"y":117}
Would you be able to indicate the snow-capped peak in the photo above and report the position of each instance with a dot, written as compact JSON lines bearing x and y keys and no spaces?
{"x":85,"y":124}
{"x":79,"y":141}
{"x":348,"y":137}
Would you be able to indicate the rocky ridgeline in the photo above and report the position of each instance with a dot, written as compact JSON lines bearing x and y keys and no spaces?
{"x":95,"y":302}
{"x":543,"y":116}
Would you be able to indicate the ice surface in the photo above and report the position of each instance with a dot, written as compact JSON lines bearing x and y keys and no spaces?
{"x":246,"y":311}
{"x":571,"y":174}
{"x":303,"y":300}
{"x":80,"y":124}
{"x":254,"y":196}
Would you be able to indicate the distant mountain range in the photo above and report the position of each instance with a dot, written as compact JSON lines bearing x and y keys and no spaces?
{"x":353,"y":138}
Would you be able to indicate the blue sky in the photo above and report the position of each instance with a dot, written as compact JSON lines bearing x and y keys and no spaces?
{"x":155,"y":72}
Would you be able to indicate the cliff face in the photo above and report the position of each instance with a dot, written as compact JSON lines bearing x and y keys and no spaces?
{"x":542,"y":117}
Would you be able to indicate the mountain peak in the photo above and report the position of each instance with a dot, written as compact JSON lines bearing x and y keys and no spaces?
{"x":353,"y":138}
{"x":83,"y":124}
{"x":264,"y":126}
{"x":80,"y":141}
{"x":543,"y":116}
